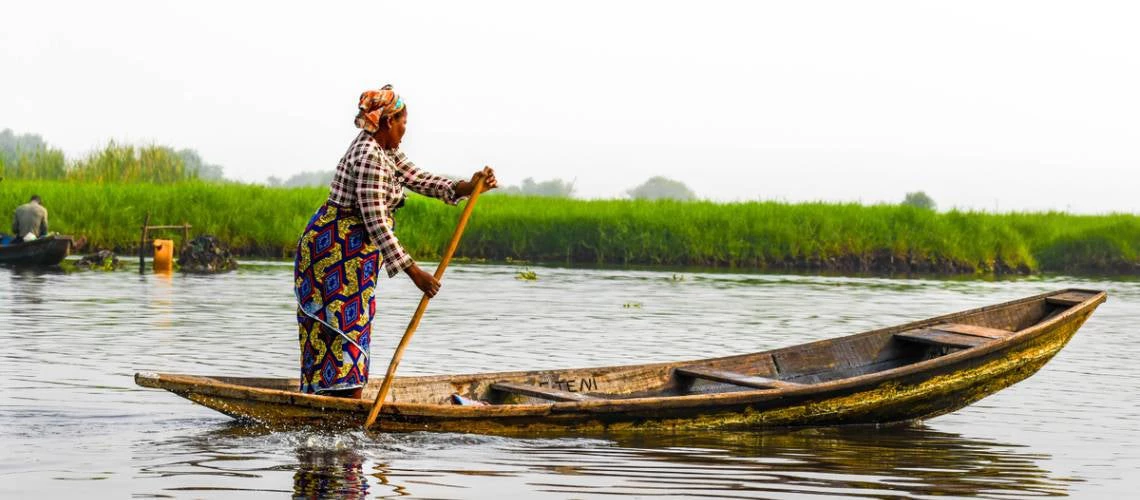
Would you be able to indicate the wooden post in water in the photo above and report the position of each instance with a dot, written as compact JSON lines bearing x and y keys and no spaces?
{"x":391,"y":374}
{"x":146,"y":228}
{"x":142,"y":244}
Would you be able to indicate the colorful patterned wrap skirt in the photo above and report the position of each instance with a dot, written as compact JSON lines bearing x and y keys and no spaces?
{"x":334,"y":281}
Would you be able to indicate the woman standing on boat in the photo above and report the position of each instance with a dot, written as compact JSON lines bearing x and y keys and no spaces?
{"x":351,"y":236}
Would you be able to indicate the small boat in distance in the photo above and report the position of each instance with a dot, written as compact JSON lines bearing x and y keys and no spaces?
{"x":903,"y":373}
{"x":46,"y":251}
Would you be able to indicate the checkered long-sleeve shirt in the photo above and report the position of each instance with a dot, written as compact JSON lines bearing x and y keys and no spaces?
{"x":372,"y":179}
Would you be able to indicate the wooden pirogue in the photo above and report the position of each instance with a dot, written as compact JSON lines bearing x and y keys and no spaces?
{"x":46,"y":251}
{"x":909,"y":372}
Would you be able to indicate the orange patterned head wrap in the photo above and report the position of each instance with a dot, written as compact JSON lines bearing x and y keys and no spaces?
{"x":375,"y":105}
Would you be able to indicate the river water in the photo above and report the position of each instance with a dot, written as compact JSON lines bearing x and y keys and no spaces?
{"x":75,"y":425}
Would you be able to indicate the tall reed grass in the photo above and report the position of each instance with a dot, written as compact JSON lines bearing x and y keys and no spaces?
{"x":114,"y":163}
{"x":265,"y":221}
{"x":36,"y":164}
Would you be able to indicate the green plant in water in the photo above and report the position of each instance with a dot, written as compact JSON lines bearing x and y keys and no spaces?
{"x":632,"y":305}
{"x":527,"y":275}
{"x":90,"y":263}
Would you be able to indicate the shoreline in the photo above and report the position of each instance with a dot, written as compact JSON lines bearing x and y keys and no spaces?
{"x":130,"y":264}
{"x":263,"y":222}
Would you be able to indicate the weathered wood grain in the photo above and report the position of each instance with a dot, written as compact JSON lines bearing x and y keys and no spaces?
{"x":940,"y":338}
{"x":735,"y":378}
{"x":540,"y":392}
{"x":975,"y":330}
{"x":1070,"y":298}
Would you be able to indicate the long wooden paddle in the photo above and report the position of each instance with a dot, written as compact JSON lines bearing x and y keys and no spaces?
{"x":390,"y":375}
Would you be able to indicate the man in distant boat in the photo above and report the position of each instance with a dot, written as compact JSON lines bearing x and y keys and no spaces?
{"x":31,"y":220}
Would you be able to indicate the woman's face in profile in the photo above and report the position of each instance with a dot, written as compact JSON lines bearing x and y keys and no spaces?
{"x":396,"y":128}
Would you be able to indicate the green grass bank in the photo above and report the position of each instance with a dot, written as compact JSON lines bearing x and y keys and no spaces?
{"x":263,"y":221}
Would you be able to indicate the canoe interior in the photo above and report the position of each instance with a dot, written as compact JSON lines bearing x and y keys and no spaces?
{"x":787,"y":368}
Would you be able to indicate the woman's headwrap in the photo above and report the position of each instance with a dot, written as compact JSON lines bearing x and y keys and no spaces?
{"x":375,"y":105}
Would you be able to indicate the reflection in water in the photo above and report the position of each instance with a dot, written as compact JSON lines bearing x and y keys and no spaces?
{"x":381,"y":472}
{"x":860,"y":461}
{"x":27,"y":285}
{"x":852,"y":462}
{"x":241,"y":458}
{"x":324,"y":473}
{"x":160,"y":297}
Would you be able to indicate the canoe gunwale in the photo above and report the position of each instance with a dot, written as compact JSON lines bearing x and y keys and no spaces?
{"x":45,"y":251}
{"x":192,"y":384}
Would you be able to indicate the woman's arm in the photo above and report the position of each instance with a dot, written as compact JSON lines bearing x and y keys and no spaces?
{"x":426,"y":183}
{"x":440,"y":187}
{"x":371,"y":197}
{"x":464,"y":189}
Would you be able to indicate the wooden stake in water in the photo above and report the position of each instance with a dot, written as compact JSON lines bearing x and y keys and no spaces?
{"x":142,"y":244}
{"x":390,"y":375}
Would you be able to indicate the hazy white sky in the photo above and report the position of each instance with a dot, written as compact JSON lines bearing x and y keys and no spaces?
{"x":1008,"y":105}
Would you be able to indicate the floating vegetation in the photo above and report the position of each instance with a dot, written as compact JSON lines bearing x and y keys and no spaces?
{"x":632,"y":305}
{"x":527,"y":275}
{"x":676,"y":278}
{"x":206,"y":255}
{"x":102,"y":260}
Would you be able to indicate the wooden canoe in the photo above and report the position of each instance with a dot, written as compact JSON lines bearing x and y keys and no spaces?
{"x":909,"y":372}
{"x":46,"y":251}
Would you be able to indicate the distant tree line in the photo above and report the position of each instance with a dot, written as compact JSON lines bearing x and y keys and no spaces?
{"x":656,"y":188}
{"x":919,"y":199}
{"x":28,"y":156}
{"x":661,"y":188}
{"x":303,"y":179}
{"x":555,"y":188}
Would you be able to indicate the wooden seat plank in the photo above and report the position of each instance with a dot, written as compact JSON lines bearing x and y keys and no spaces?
{"x":942,"y":339}
{"x":735,"y":378}
{"x":975,"y":330}
{"x":541,"y":392}
{"x":1068,"y":298}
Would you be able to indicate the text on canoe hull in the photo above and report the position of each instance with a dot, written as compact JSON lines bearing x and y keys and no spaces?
{"x":571,"y":384}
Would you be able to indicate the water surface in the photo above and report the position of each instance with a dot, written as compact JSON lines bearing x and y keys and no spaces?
{"x":76,"y":425}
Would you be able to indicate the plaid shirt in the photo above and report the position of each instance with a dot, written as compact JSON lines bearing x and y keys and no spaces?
{"x":373,"y":180}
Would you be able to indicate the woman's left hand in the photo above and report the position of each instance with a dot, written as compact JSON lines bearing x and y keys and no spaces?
{"x":466,"y":188}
